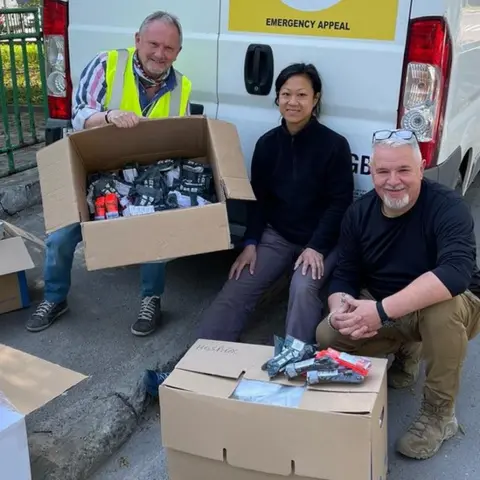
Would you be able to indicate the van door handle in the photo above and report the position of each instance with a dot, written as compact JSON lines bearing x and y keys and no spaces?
{"x":196,"y":109}
{"x":258,"y":69}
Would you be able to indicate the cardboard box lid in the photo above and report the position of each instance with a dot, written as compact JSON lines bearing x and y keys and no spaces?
{"x":214,"y":368}
{"x":14,"y":256}
{"x":108,"y":148}
{"x":28,"y":382}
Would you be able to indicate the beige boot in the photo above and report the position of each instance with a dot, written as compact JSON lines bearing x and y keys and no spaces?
{"x":405,"y":369}
{"x":434,"y":425}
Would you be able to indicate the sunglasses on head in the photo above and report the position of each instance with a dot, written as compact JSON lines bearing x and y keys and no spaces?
{"x":406,"y":135}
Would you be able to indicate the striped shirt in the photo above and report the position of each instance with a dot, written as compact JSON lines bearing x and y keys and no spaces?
{"x":90,"y":94}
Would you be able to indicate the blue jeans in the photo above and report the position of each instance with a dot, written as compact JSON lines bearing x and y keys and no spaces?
{"x":61,"y":246}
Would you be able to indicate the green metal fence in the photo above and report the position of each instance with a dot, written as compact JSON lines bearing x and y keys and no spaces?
{"x":23,"y":99}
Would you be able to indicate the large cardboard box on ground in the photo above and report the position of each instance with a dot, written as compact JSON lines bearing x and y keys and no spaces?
{"x":14,"y":261}
{"x":335,"y":432}
{"x":64,"y":165}
{"x":26,"y":384}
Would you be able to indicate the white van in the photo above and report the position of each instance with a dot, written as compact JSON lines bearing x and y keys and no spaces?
{"x":384,"y":63}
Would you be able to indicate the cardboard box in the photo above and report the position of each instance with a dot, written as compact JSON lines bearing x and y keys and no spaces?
{"x":14,"y":261}
{"x":64,"y":165}
{"x":26,"y":384}
{"x":336,"y":432}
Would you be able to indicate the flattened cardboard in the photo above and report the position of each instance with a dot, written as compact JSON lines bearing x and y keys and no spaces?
{"x":219,"y":437}
{"x":64,"y":167}
{"x":29,"y":382}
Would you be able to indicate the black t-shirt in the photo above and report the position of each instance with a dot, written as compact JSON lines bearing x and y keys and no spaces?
{"x":384,"y":255}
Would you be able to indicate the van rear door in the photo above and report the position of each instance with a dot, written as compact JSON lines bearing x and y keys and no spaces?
{"x":358,"y":47}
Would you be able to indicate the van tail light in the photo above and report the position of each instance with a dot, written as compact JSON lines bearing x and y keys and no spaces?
{"x":426,"y":78}
{"x":55,"y":32}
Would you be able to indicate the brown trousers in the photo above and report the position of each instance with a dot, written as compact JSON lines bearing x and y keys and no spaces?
{"x":443,"y":329}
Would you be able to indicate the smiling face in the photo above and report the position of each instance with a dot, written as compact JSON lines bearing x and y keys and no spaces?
{"x":296,"y":100}
{"x":397,"y":174}
{"x":158,"y":46}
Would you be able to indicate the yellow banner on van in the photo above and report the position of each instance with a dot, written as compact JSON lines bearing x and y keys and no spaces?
{"x":359,"y":19}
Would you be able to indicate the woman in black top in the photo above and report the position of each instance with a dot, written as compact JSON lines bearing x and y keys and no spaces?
{"x":303,"y":180}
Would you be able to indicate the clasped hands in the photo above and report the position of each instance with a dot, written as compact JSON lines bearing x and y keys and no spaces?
{"x":357,"y":319}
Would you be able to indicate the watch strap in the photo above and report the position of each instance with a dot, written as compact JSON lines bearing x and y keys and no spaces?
{"x":385,"y":320}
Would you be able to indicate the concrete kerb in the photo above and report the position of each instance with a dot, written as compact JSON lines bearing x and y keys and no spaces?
{"x":93,"y":438}
{"x":18,"y":192}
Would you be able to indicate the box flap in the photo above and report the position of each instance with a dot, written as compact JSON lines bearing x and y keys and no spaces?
{"x":108,"y":147}
{"x":56,"y":164}
{"x":28,"y":382}
{"x":201,"y":383}
{"x":224,"y":359}
{"x":225,"y":144}
{"x":171,"y":234}
{"x":14,"y":256}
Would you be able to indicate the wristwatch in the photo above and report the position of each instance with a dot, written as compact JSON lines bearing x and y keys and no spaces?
{"x":385,"y":320}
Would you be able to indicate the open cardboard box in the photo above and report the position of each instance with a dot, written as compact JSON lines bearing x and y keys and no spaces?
{"x":64,"y":166}
{"x":335,"y":432}
{"x":14,"y":261}
{"x":26,"y":384}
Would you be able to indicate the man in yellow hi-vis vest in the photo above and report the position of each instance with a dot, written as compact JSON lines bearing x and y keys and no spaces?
{"x":119,"y":87}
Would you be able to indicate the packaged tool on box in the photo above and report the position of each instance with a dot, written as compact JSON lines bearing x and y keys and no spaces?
{"x":361,"y":365}
{"x":293,"y":350}
{"x":299,"y":360}
{"x":340,"y":375}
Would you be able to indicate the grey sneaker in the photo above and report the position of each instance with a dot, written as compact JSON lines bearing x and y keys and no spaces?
{"x":45,"y":314}
{"x":148,"y":318}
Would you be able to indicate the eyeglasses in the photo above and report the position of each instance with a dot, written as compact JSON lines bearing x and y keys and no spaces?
{"x":406,"y":135}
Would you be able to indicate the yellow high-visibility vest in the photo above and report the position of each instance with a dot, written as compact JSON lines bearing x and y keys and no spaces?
{"x":122,"y":92}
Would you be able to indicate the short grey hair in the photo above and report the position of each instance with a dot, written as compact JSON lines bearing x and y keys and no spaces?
{"x":161,"y":16}
{"x":395,"y":142}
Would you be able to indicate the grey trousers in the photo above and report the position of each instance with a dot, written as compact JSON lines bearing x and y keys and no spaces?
{"x":227,"y":316}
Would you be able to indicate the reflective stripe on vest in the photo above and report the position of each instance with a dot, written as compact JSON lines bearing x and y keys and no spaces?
{"x":118,"y":83}
{"x":120,"y":77}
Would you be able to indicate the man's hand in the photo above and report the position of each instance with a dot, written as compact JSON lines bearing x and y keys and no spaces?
{"x":123,"y":119}
{"x":362,"y":321}
{"x":313,"y":260}
{"x":247,"y":258}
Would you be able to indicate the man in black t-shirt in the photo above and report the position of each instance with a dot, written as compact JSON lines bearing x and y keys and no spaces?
{"x":406,"y":284}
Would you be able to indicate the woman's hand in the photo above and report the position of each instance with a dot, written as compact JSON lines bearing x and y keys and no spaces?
{"x":313,"y":260}
{"x":247,"y":258}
